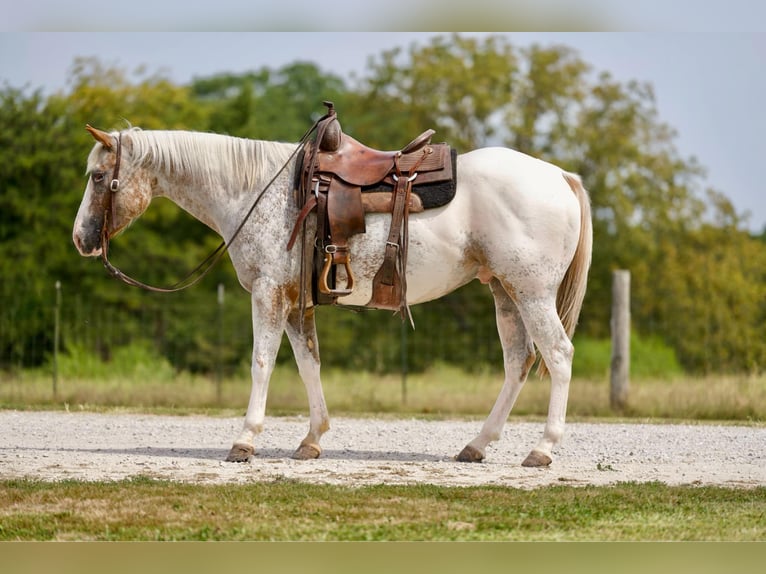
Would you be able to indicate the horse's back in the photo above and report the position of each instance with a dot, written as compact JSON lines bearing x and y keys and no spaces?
{"x":515,"y":179}
{"x":510,"y":209}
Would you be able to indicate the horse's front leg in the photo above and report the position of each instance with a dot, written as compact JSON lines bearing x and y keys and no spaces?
{"x":269,"y":316}
{"x":306,"y":351}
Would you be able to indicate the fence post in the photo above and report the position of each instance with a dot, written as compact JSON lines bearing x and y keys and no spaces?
{"x":620,"y":326}
{"x":403,"y":350}
{"x":56,"y":338}
{"x":219,"y":358}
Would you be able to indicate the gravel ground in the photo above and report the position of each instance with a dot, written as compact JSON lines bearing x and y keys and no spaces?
{"x":86,"y":446}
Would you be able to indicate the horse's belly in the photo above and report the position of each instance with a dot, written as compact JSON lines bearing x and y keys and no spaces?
{"x":436,"y":265}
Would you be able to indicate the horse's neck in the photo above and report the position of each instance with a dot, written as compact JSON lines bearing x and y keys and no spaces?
{"x":222,"y":195}
{"x":200,"y":202}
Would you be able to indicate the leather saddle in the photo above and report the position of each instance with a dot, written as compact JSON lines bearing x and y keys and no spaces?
{"x":342,"y":179}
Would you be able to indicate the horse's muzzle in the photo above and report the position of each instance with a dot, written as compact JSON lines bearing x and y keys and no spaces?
{"x":87,"y":237}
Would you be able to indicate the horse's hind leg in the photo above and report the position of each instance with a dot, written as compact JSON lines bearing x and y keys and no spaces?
{"x":518,"y":356}
{"x":545,"y":327}
{"x":306,"y":351}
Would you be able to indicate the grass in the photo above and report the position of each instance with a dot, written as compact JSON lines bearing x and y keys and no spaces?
{"x":441,"y":391}
{"x":144,"y":509}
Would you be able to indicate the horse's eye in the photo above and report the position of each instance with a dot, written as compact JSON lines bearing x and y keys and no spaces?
{"x":98,"y":176}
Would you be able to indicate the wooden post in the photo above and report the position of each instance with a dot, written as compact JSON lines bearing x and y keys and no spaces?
{"x":403,"y":351}
{"x":620,"y":325}
{"x":219,"y":357}
{"x":56,"y":339}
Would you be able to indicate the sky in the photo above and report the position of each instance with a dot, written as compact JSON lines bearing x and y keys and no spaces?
{"x":709,"y":86}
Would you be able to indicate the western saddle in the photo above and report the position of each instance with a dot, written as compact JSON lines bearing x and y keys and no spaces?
{"x":342,"y":179}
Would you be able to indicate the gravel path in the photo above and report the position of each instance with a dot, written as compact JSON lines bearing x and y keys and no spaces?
{"x":55,"y":446}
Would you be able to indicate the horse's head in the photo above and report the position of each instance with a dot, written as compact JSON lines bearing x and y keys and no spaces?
{"x":118,"y":191}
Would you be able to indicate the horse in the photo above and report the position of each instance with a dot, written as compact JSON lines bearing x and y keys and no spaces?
{"x":517,"y":223}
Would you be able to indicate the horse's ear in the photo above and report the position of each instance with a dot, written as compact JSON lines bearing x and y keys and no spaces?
{"x":100,"y":136}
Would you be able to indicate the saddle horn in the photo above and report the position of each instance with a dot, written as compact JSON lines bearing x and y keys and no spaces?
{"x":100,"y":136}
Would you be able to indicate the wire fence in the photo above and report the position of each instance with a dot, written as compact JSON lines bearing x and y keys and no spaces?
{"x":213,"y":333}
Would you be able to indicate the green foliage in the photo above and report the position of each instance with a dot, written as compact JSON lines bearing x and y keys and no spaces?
{"x":137,"y":361}
{"x":429,"y":88}
{"x":650,"y":357}
{"x":709,"y":299}
{"x":698,"y":280}
{"x":39,"y":162}
{"x":269,"y":104}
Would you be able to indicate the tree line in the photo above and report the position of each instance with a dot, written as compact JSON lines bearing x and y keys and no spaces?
{"x":698,"y":275}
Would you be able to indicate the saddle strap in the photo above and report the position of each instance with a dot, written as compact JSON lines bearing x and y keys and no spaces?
{"x":308,"y":208}
{"x":393,"y":247}
{"x":389,"y":286}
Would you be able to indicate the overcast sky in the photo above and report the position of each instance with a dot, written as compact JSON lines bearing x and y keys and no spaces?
{"x":710,"y":86}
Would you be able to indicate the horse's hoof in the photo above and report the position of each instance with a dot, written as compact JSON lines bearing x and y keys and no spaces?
{"x":536,"y":459}
{"x":307,"y":452}
{"x":470,"y":454}
{"x":240,"y":453}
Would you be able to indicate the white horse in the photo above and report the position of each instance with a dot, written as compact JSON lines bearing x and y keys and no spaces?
{"x":517,"y":223}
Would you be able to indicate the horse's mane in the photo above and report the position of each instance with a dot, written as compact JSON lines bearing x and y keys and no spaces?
{"x":207,"y":158}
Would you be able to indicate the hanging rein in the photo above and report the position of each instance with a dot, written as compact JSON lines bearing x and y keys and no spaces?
{"x":201,"y":270}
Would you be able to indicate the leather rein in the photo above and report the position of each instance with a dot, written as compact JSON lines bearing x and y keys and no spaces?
{"x":201,"y":270}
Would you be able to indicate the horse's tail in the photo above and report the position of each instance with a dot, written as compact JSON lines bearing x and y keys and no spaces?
{"x":571,"y":292}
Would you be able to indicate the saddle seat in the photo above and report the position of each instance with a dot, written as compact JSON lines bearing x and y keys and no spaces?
{"x":360,"y":165}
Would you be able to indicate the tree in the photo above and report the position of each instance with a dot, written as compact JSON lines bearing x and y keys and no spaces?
{"x":269,"y":104}
{"x":38,"y":167}
{"x":455,"y":85}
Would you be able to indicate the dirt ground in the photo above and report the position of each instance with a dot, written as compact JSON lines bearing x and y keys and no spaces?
{"x":57,"y":445}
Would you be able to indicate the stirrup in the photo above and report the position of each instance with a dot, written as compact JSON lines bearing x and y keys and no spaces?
{"x":325,"y":288}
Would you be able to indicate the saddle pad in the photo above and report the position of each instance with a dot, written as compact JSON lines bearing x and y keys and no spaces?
{"x":432,"y":195}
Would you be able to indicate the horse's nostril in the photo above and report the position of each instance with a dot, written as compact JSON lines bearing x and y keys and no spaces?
{"x":85,"y":246}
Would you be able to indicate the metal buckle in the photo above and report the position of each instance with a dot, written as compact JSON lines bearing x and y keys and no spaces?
{"x":411,"y":178}
{"x":115,"y":185}
{"x":331,"y":249}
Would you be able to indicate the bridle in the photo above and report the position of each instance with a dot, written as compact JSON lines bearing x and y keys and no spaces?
{"x":195,"y":276}
{"x":201,"y":270}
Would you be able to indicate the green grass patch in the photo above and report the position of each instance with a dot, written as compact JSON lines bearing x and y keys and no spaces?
{"x":146,"y":509}
{"x":650,"y":357}
{"x":137,"y":377}
{"x":441,"y":391}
